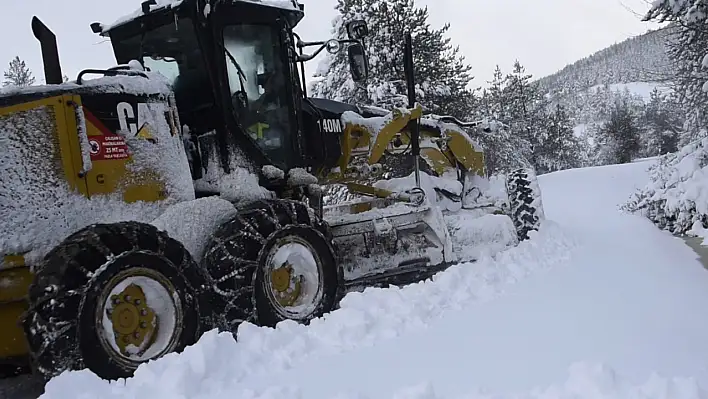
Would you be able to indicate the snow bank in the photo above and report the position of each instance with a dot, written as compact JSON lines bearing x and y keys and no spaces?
{"x":217,"y":365}
{"x":585,"y":381}
{"x":676,"y":197}
{"x":474,"y":236}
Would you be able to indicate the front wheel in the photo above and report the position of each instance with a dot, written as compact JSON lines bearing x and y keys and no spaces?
{"x":525,"y":203}
{"x":111,"y":297}
{"x":274,"y":261}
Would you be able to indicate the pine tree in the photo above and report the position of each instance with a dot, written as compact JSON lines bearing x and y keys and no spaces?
{"x":618,"y":139}
{"x":525,"y":109}
{"x":688,"y":51}
{"x":662,"y":126}
{"x":494,"y":97}
{"x":558,"y":147}
{"x":504,"y":147}
{"x":18,"y":74}
{"x":440,"y":72}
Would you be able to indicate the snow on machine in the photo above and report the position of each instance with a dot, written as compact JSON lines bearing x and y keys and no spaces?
{"x":182,"y":190}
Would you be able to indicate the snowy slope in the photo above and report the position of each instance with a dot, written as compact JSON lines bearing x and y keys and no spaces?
{"x":595,"y":293}
{"x":640,"y":89}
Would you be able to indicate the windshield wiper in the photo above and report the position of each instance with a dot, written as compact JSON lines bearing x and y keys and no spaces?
{"x":236,"y":64}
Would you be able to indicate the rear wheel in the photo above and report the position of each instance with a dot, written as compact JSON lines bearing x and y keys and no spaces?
{"x":525,"y":202}
{"x":111,"y":297}
{"x":274,"y":261}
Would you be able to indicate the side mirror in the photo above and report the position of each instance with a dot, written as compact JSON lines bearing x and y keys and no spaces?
{"x":358,"y":62}
{"x":357,"y":30}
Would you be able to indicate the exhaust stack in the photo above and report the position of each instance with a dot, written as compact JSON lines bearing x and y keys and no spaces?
{"x":50,"y":52}
{"x":413,"y":126}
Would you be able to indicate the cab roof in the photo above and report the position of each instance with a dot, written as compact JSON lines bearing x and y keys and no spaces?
{"x":153,"y":6}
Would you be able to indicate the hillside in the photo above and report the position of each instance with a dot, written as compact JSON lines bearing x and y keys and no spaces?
{"x":632,"y":69}
{"x":638,"y":59}
{"x":635,"y":76}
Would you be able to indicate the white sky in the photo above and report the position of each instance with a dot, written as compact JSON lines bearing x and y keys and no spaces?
{"x":545,"y":35}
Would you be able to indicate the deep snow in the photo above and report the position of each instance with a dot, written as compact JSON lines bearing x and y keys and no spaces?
{"x":594,"y":293}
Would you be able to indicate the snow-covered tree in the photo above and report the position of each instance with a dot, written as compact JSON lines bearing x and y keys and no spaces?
{"x":440,"y":71}
{"x":688,"y":51}
{"x":558,"y":147}
{"x":501,"y":147}
{"x":18,"y":74}
{"x":662,"y":124}
{"x":493,"y":98}
{"x":525,"y":109}
{"x":505,"y":147}
{"x":618,"y":139}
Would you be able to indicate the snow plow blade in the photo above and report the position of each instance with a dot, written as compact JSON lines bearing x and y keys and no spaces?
{"x":382,"y":240}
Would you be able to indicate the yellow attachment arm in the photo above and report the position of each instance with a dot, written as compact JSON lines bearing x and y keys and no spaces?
{"x":371,"y":191}
{"x":398,"y":121}
{"x":464,"y":151}
{"x":358,"y":134}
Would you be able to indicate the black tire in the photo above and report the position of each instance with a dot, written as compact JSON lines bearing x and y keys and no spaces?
{"x":235,"y":259}
{"x":61,"y":324}
{"x":525,"y":203}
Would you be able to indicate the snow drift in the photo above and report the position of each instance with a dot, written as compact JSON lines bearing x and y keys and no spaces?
{"x":676,"y":197}
{"x":217,"y":364}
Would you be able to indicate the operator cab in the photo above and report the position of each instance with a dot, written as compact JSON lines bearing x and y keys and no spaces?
{"x":234,"y":69}
{"x":229,"y":67}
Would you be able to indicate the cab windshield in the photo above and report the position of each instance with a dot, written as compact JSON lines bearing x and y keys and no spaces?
{"x":257,"y":79}
{"x":258,"y":87}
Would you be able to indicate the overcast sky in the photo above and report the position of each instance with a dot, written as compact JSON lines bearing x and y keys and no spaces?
{"x":545,"y":35}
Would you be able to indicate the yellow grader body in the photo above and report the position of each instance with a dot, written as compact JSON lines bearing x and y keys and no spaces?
{"x":138,"y":212}
{"x":50,"y":144}
{"x":57,"y":143}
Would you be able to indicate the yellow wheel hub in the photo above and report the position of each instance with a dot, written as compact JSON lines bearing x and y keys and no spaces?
{"x":134,"y":323}
{"x":286,"y":286}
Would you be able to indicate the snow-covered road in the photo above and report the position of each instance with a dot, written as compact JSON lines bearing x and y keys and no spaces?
{"x":594,"y":293}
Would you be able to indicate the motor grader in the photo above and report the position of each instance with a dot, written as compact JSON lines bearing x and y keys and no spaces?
{"x":181,"y":190}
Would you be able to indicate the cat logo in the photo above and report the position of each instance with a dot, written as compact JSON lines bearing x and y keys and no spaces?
{"x":138,"y":120}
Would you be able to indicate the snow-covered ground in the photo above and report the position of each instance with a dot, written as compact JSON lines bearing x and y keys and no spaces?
{"x":597,"y":305}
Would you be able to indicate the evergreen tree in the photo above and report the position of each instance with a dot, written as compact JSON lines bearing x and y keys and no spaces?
{"x":559,"y":148}
{"x":18,"y":74}
{"x":494,"y":97}
{"x":662,"y":126}
{"x":525,"y":109}
{"x":688,"y":50}
{"x":440,"y":72}
{"x":504,"y":147}
{"x":618,"y":139}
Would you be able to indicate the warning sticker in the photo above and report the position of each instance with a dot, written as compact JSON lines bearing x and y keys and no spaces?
{"x":108,"y":147}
